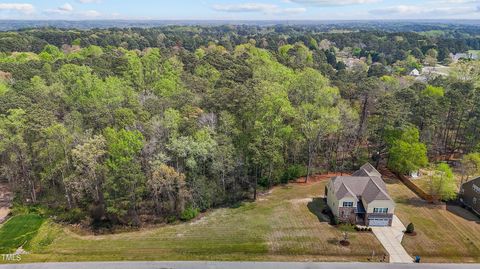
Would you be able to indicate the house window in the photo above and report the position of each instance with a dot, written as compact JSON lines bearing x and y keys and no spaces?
{"x":380,"y":210}
{"x":347,"y":204}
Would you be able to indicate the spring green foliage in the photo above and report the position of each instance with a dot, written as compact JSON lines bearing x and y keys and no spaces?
{"x":471,"y":164}
{"x":3,"y":88}
{"x":406,"y":153}
{"x":443,"y":182}
{"x":125,"y":183}
{"x":433,"y":91}
{"x":189,"y":213}
{"x":126,"y":123}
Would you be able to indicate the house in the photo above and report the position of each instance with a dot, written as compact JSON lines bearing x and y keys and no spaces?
{"x":415,"y":73}
{"x":470,"y":195}
{"x":470,"y":55}
{"x":361,"y":198}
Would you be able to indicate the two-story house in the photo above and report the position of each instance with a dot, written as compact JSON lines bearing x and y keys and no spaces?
{"x":361,"y":198}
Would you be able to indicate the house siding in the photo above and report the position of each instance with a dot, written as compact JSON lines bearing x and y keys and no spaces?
{"x":469,"y":193}
{"x":380,"y":204}
{"x":332,"y":201}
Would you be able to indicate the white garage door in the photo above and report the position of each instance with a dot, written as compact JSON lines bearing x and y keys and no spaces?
{"x":378,"y":222}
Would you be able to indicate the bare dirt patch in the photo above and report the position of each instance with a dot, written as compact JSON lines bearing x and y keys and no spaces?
{"x":6,"y":198}
{"x":4,"y":214}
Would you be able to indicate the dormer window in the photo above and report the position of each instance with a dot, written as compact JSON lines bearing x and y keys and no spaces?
{"x":380,"y":210}
{"x":347,"y":204}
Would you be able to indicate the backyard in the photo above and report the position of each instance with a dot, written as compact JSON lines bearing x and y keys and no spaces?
{"x":424,"y":180}
{"x":280,"y":225}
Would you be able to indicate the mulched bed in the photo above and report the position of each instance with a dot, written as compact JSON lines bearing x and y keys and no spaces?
{"x":411,"y":234}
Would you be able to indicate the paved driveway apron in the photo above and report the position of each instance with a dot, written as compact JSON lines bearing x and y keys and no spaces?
{"x":391,"y":239}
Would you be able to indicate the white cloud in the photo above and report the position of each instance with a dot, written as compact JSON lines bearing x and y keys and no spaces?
{"x":332,"y":2}
{"x":400,"y":9}
{"x":247,"y":7}
{"x":424,"y":11}
{"x":89,"y":1}
{"x":66,"y":7}
{"x":90,"y":14}
{"x":257,"y":7}
{"x":67,"y":11}
{"x":23,"y":8}
{"x":297,"y":10}
{"x":454,"y":1}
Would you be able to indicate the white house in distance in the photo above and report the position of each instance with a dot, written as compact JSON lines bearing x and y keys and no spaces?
{"x":361,"y":198}
{"x":415,"y":73}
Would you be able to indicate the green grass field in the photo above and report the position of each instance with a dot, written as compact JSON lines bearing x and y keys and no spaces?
{"x":279,"y":226}
{"x":451,"y":235}
{"x":17,"y":231}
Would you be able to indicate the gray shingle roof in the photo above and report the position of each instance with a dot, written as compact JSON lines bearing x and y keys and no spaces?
{"x":343,"y":191}
{"x":366,"y":183}
{"x":367,"y":170}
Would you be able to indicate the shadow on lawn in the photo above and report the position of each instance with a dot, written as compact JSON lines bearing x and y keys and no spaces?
{"x":456,"y":208}
{"x":317,"y":207}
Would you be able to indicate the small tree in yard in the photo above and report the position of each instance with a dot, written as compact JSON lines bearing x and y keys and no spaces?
{"x":442,"y":182}
{"x":410,"y":228}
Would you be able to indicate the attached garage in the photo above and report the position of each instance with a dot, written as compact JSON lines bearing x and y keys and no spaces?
{"x":378,"y":222}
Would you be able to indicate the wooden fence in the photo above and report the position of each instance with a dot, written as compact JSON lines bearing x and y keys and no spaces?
{"x":421,"y":193}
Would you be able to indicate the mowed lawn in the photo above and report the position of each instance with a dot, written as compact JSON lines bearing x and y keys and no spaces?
{"x":443,"y":235}
{"x":278,"y":226}
{"x":18,"y":231}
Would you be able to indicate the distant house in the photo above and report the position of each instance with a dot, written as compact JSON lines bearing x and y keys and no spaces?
{"x":470,"y":194}
{"x":468,"y":56}
{"x":353,"y":62}
{"x":361,"y":198}
{"x":415,"y":73}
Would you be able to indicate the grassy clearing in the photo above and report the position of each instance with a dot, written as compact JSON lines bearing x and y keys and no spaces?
{"x":444,"y":235}
{"x":279,"y":226}
{"x":17,"y":231}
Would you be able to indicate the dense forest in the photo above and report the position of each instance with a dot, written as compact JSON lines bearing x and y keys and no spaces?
{"x":128,"y":126}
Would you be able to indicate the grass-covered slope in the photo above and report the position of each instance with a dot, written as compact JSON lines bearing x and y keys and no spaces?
{"x":18,"y":231}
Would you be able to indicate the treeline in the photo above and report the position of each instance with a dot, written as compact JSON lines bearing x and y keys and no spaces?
{"x":127,"y":136}
{"x":392,"y":45}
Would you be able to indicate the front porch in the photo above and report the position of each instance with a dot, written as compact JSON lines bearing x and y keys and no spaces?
{"x":360,"y":213}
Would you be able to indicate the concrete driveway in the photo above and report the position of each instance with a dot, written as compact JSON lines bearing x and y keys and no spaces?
{"x":391,"y":239}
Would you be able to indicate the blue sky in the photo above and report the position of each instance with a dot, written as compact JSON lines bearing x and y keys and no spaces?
{"x":240,"y":9}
